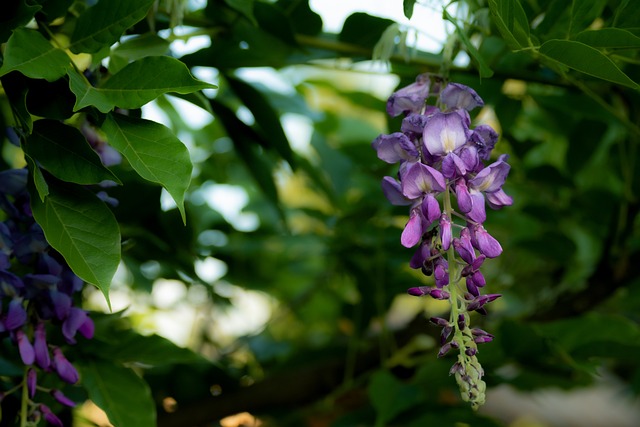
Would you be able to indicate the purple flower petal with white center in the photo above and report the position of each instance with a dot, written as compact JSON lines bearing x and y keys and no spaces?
{"x":485,"y":242}
{"x":395,"y":148}
{"x":27,"y":354}
{"x":60,"y":397}
{"x":49,"y":416}
{"x":498,"y":199}
{"x":453,"y":166}
{"x":445,"y":232}
{"x":40,"y":347}
{"x":478,"y":212}
{"x":16,"y":315}
{"x":456,"y":95}
{"x":491,"y":178}
{"x":32,"y":379}
{"x":64,"y":368}
{"x":485,"y":138}
{"x":430,"y":208}
{"x":444,"y":133}
{"x":420,"y":179}
{"x":410,"y":98}
{"x":414,"y":229}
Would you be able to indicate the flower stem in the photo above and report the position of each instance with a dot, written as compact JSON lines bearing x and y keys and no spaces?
{"x":25,"y":399}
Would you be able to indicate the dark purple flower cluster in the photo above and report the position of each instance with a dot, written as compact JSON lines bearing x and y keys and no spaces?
{"x":441,"y":156}
{"x":37,"y":291}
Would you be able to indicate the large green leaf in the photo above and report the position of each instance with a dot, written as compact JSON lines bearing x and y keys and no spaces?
{"x":83,"y":229}
{"x":585,"y":59}
{"x":31,"y":54}
{"x":119,"y":392}
{"x":407,"y":7}
{"x":103,"y":24}
{"x":64,"y":152}
{"x":136,"y":84}
{"x":153,"y":151}
{"x":609,"y":38}
{"x":137,"y":48}
{"x":363,"y":29}
{"x":245,"y":7}
{"x":512,"y":22}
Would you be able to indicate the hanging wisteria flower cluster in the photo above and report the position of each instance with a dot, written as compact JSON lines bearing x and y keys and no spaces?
{"x":440,"y":155}
{"x":37,"y":296}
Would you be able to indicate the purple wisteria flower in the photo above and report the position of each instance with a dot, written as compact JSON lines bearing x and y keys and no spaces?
{"x":37,"y":295}
{"x":441,"y":159}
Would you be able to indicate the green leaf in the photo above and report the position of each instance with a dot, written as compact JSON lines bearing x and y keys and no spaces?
{"x":390,"y":397}
{"x":14,"y":16}
{"x":31,"y":54}
{"x":609,"y":38}
{"x":103,"y":24}
{"x":83,"y":229}
{"x":363,"y":29}
{"x":583,"y":13}
{"x":485,"y":70}
{"x":155,"y":153}
{"x":265,"y":116}
{"x":407,"y":6}
{"x":64,"y":152}
{"x":136,"y":84}
{"x":38,"y":178}
{"x":135,"y":48}
{"x":119,"y":392}
{"x":512,"y":22}
{"x":585,"y":59}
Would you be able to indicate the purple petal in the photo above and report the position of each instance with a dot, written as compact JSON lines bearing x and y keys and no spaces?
{"x":410,"y":98}
{"x":444,"y":133}
{"x":463,"y":196}
{"x":395,"y":148}
{"x":478,"y":212}
{"x":72,"y":323}
{"x":456,"y":95}
{"x":445,"y":232}
{"x":32,"y":379}
{"x":498,"y":199}
{"x":40,"y":347}
{"x":27,"y":354}
{"x":16,"y":315}
{"x":64,"y":368}
{"x":60,"y":397}
{"x":49,"y":416}
{"x":469,"y":156}
{"x":440,"y":273}
{"x":61,"y":304}
{"x":486,"y":243}
{"x":414,"y":123}
{"x":453,"y":166}
{"x":491,"y":178}
{"x":430,"y":209}
{"x":414,"y":230}
{"x":420,"y":179}
{"x":87,"y":328}
{"x":418,"y":291}
{"x":485,"y":139}
{"x":420,"y":255}
{"x":392,"y":190}
{"x":464,"y":247}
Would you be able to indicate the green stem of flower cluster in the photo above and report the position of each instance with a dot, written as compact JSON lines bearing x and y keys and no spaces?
{"x":24,"y":404}
{"x":453,"y":273}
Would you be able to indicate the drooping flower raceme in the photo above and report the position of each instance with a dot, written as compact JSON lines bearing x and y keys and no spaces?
{"x":443,"y":158}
